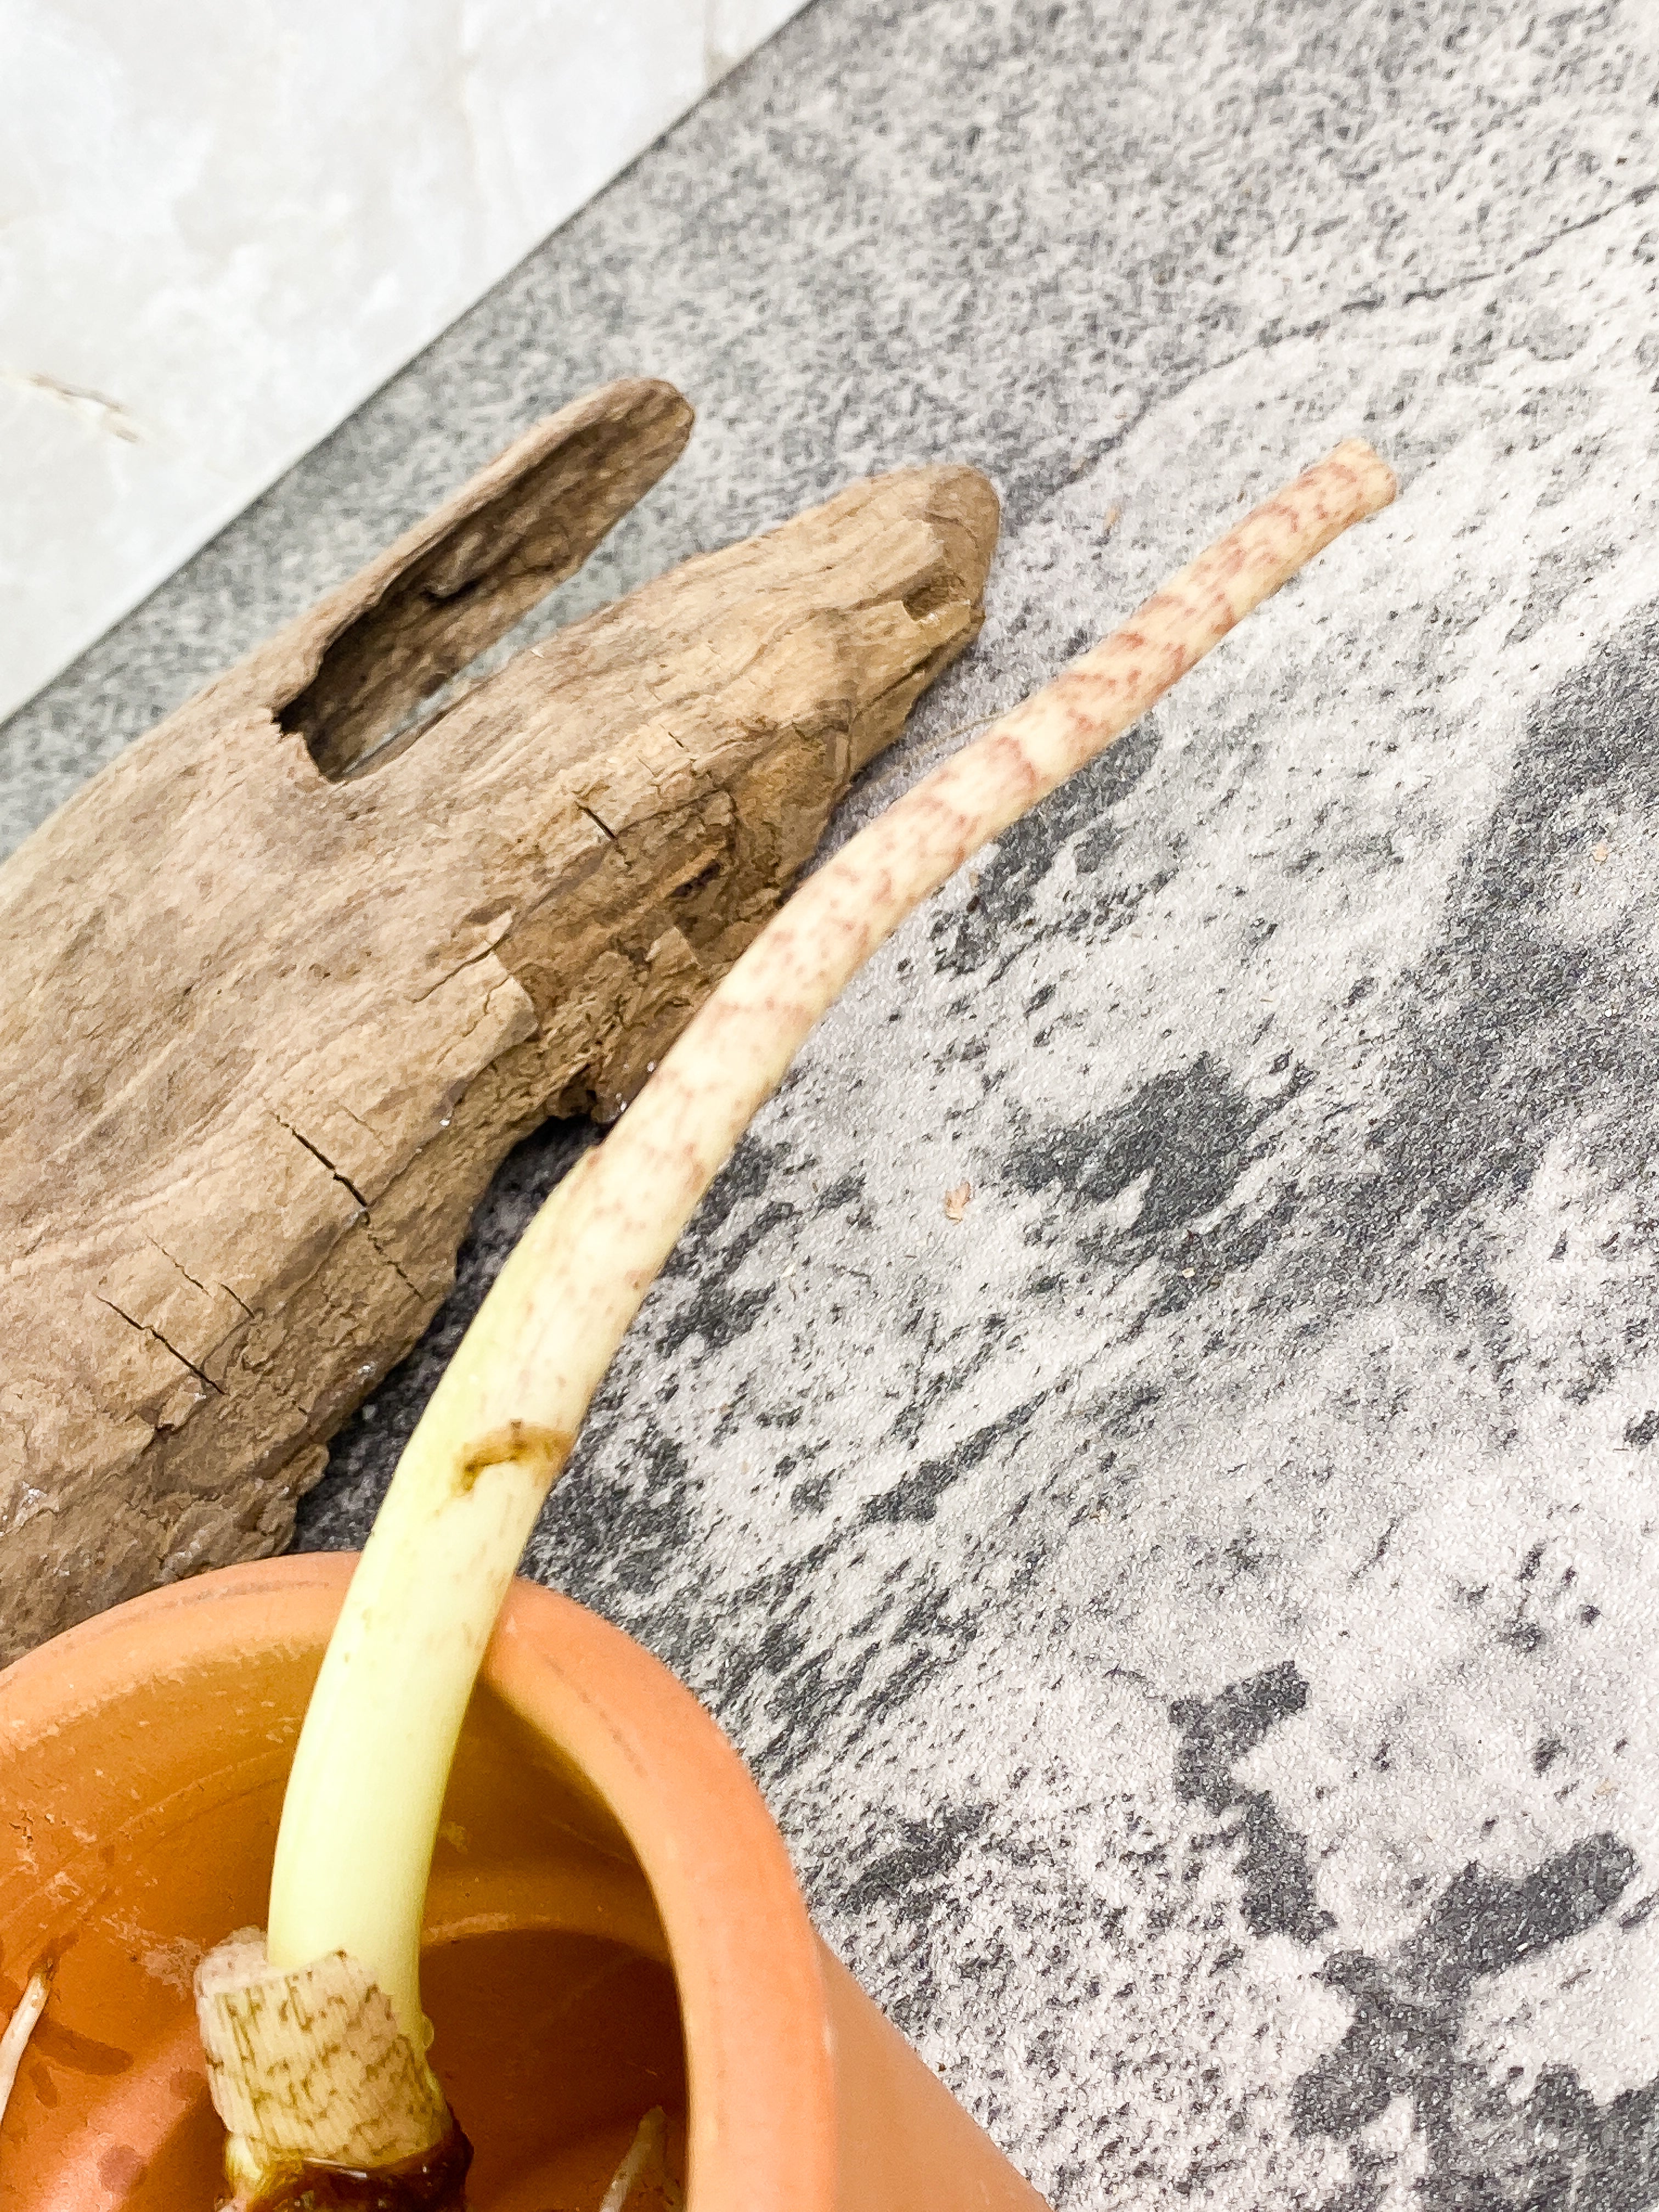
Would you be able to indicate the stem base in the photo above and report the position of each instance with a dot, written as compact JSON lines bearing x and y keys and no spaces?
{"x":308,"y":2065}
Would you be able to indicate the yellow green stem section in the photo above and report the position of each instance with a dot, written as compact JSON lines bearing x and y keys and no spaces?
{"x":374,"y":1759}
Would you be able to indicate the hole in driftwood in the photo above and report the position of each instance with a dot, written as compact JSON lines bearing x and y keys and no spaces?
{"x":449,"y":606}
{"x":386,"y":677}
{"x":381,"y":676}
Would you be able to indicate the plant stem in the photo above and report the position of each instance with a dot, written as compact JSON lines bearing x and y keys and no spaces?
{"x":374,"y":1757}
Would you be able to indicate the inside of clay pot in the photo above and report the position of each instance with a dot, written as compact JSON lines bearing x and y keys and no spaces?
{"x":552,"y":2046}
{"x":150,"y":1824}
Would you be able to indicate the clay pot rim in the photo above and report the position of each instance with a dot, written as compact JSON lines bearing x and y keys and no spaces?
{"x":744,"y":1956}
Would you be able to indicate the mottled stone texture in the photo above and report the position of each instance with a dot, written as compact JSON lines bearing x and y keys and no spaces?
{"x":1193,"y":1618}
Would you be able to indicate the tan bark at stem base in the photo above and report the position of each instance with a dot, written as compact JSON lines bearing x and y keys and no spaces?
{"x":275,"y":1004}
{"x":309,"y":2064}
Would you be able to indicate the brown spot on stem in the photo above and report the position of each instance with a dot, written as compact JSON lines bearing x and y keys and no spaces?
{"x":520,"y":1444}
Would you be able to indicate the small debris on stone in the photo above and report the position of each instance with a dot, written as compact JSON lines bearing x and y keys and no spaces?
{"x":955,"y":1202}
{"x":1598,"y":853}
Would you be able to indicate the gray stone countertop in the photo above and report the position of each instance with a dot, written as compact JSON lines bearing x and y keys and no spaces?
{"x":1194,"y":1619}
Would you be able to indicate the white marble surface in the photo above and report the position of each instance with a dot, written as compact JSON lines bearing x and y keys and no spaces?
{"x":225,"y":227}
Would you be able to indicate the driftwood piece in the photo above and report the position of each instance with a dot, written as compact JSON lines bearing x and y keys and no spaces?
{"x":277,"y":995}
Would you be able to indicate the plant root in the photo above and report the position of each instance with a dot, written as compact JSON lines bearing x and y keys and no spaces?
{"x":20,"y":2026}
{"x":642,"y":2182}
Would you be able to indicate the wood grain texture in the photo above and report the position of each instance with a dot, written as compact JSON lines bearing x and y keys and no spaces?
{"x":280,"y":989}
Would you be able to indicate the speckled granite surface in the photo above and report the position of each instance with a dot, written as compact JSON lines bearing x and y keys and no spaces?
{"x":1194,"y":1619}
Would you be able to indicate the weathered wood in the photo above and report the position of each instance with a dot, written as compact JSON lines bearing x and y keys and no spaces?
{"x":274,"y":1003}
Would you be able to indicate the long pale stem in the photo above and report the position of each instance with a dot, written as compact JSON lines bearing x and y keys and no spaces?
{"x":374,"y":1759}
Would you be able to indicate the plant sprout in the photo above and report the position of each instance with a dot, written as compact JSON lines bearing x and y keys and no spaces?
{"x":315,"y":2038}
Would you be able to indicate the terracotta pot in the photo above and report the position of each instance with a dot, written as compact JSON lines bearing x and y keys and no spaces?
{"x":612,"y":1922}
